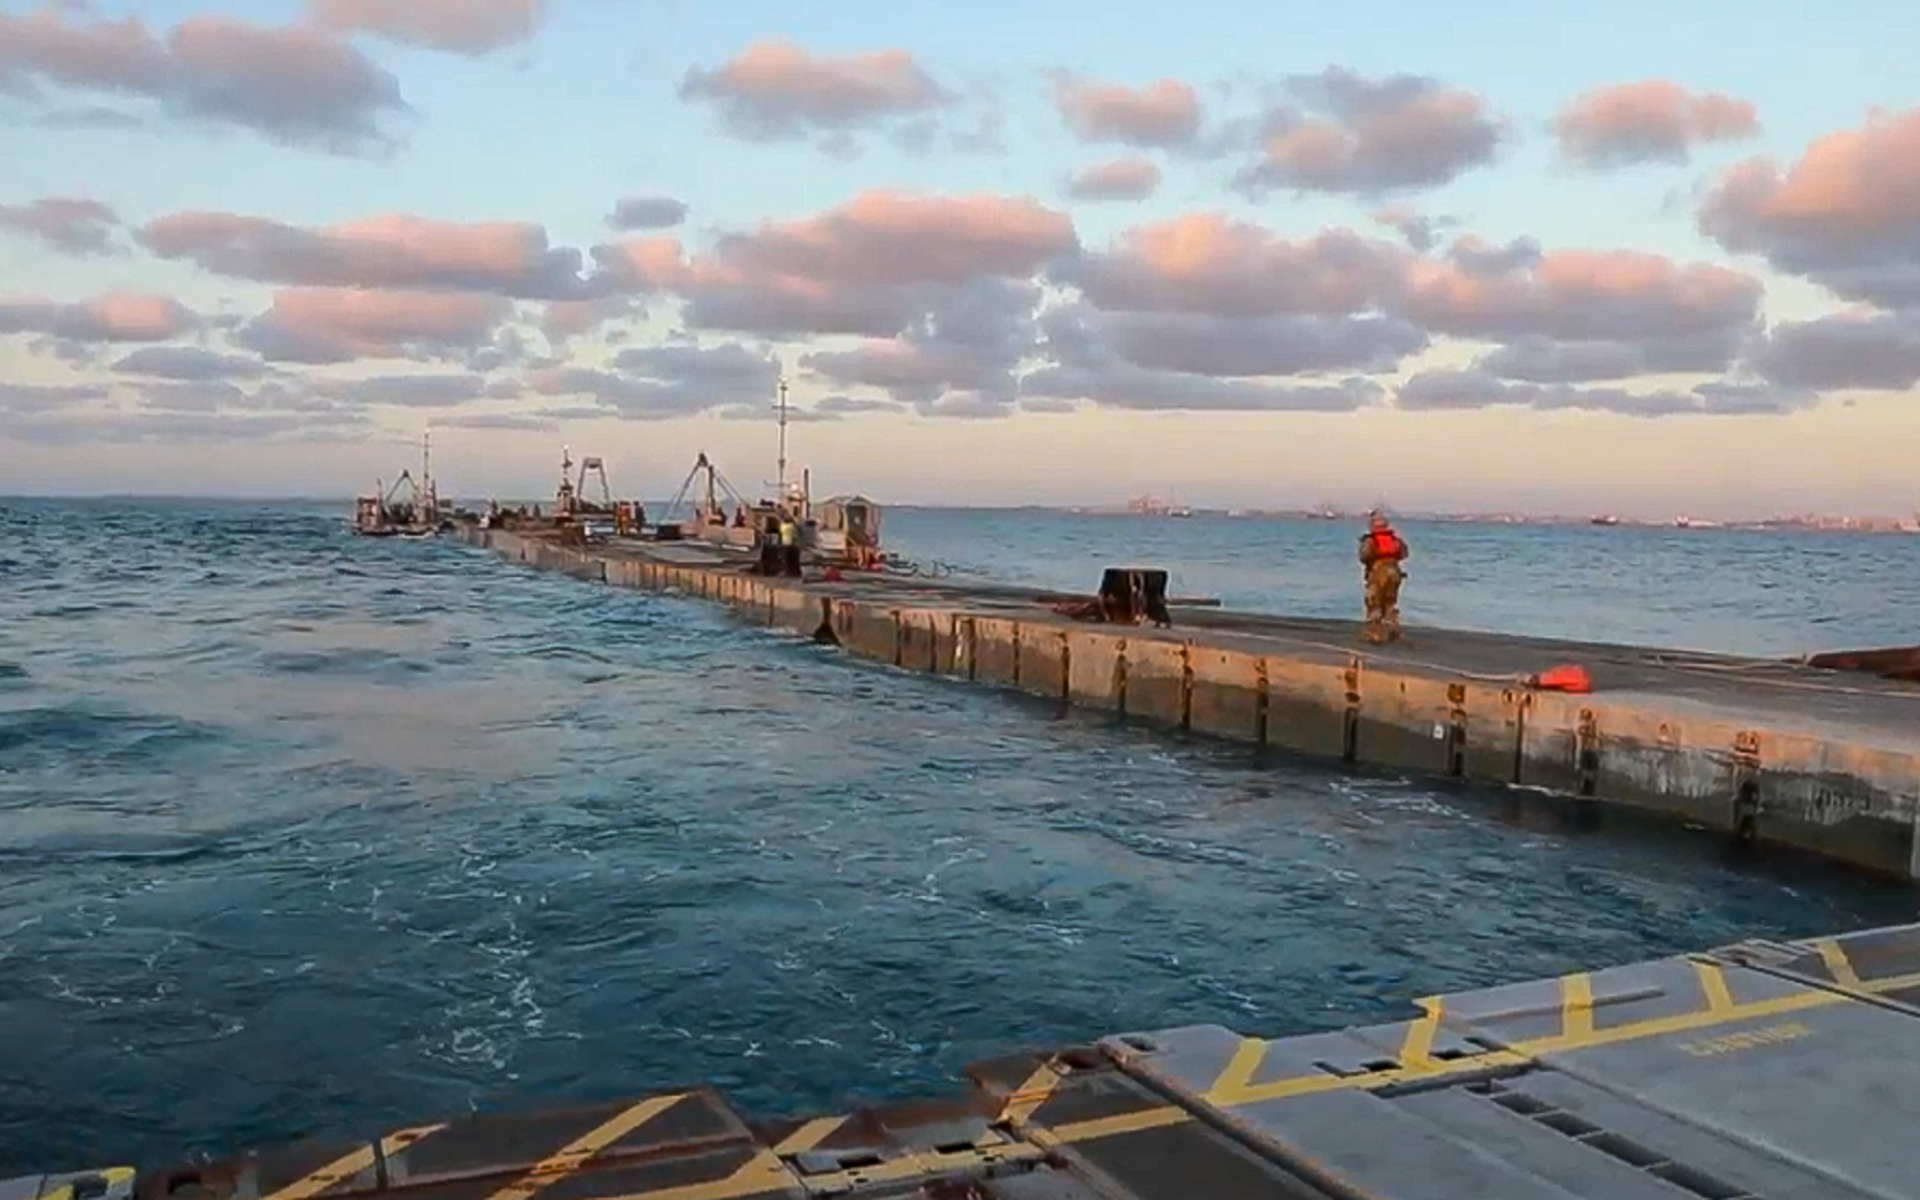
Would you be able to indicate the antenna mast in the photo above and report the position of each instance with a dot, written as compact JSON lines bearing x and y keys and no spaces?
{"x":781,"y":408}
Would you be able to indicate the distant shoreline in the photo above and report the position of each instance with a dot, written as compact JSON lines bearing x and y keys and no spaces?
{"x":1804,"y":524}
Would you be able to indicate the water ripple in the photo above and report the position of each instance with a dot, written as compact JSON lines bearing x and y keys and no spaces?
{"x":304,"y":834}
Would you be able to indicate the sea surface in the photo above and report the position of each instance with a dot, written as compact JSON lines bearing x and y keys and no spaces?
{"x":305,"y":834}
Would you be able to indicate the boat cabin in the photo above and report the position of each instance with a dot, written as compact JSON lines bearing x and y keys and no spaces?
{"x":848,"y":527}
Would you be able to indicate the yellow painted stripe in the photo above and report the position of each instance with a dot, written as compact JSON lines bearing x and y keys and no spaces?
{"x":1838,"y":964}
{"x":574,"y":1155}
{"x":1576,"y":1004}
{"x":1713,"y":985}
{"x":348,"y":1165}
{"x":1240,"y":1069}
{"x":1417,"y":1048}
{"x":1030,"y":1095}
{"x":1519,"y":1054}
{"x":1103,"y":1127}
{"x":809,"y":1135}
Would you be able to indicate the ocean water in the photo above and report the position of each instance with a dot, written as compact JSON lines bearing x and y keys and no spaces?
{"x":306,"y":834}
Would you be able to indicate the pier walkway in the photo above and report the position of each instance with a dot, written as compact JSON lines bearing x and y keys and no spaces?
{"x":1760,"y":1071}
{"x":1763,"y":751}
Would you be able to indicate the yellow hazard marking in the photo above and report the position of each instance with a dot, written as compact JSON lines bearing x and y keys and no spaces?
{"x":1576,"y":1004}
{"x":808,"y":1136}
{"x":1713,"y":985}
{"x":1104,"y":1127}
{"x":1839,"y":965}
{"x":574,"y":1155}
{"x":1524,"y":1052}
{"x":1752,"y":1039}
{"x":1239,"y":1070}
{"x":349,"y":1165}
{"x":1417,"y":1049}
{"x":112,"y":1176}
{"x":1026,"y":1099}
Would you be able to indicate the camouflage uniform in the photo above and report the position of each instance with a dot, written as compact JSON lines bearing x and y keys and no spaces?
{"x":1383,"y":576}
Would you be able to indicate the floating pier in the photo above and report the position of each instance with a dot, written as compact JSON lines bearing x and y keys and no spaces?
{"x":1762,"y":751}
{"x":1760,"y":1071}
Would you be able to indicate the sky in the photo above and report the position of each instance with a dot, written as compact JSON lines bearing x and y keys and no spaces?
{"x":1650,"y":260}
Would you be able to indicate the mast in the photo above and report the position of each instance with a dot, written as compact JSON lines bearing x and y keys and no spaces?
{"x":781,"y":408}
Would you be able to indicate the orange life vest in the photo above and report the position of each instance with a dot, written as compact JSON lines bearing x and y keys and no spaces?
{"x":1386,"y":543}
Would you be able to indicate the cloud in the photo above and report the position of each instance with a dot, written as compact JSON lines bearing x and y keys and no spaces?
{"x":295,"y":86}
{"x":1344,"y":132}
{"x":1182,"y":360}
{"x":1122,"y":179}
{"x":115,"y":317}
{"x":1204,"y":297}
{"x":471,"y":27}
{"x":875,"y":266}
{"x":335,"y":325}
{"x":564,"y":320}
{"x":646,"y":212}
{"x":1458,"y":390}
{"x":395,"y":250}
{"x":1652,"y":120}
{"x":1517,"y":291}
{"x":663,"y":382}
{"x":518,"y":422}
{"x":855,"y":405}
{"x":189,"y":363}
{"x":1847,"y":350}
{"x":775,"y":91}
{"x":444,"y":390}
{"x":1538,"y":359}
{"x":30,"y":399}
{"x":1164,"y":114}
{"x":1131,"y":388}
{"x":1211,"y":264}
{"x":1420,"y":232}
{"x":1846,"y":215}
{"x":72,"y":225}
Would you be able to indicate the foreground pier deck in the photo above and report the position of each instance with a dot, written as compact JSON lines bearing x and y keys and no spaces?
{"x":1827,"y":762}
{"x":1760,"y":1071}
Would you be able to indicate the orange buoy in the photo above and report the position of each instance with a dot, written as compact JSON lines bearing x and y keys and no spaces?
{"x":1563,"y":679}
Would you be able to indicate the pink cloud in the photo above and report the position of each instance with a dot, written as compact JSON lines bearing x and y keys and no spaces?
{"x":1122,"y":179}
{"x":472,"y":27}
{"x":389,"y":251}
{"x":1653,"y":120}
{"x":1579,"y":295}
{"x":114,"y":317}
{"x":73,"y":225}
{"x":1211,"y":264}
{"x":775,"y":89}
{"x":296,"y":86}
{"x":327,"y":325}
{"x":1165,"y":113}
{"x":1846,"y":214}
{"x":1345,"y":132}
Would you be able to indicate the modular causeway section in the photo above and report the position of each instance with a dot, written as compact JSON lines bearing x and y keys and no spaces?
{"x":1763,"y":751}
{"x":1760,"y":1071}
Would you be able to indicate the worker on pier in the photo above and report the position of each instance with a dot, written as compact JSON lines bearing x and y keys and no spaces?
{"x":789,"y":545}
{"x":1381,"y":553}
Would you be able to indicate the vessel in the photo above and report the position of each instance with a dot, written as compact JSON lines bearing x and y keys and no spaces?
{"x":411,"y":508}
{"x":843,"y":530}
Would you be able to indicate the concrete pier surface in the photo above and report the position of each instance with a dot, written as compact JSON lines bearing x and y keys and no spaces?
{"x":1763,"y":751}
{"x":1759,"y":1071}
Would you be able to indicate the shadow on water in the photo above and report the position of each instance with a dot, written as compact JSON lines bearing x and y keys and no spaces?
{"x":344,"y":833}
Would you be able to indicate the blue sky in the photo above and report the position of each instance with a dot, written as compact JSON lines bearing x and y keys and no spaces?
{"x":554,"y":129}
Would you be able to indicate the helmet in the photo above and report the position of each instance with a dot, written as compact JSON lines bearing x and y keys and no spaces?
{"x":1377,"y":520}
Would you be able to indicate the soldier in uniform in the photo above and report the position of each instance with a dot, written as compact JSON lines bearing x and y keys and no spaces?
{"x":1381,"y":553}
